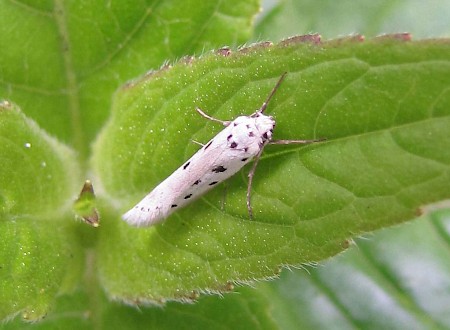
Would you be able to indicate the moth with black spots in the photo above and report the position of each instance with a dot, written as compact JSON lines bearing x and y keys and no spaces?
{"x":242,"y":140}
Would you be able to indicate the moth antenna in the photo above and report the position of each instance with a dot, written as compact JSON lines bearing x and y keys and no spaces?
{"x":264,"y":105}
{"x":203,"y":114}
{"x":198,"y":143}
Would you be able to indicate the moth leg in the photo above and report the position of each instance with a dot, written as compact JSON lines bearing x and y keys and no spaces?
{"x":295,"y":141}
{"x":250,"y":181}
{"x":223,"y":122}
{"x":199,"y":143}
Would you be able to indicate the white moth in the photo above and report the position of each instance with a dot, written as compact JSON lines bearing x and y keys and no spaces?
{"x":242,"y":139}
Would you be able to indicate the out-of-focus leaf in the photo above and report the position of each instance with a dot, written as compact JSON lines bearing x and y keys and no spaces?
{"x":423,"y":19}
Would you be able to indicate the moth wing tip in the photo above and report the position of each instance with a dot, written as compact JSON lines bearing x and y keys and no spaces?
{"x":137,"y":218}
{"x":134,"y":218}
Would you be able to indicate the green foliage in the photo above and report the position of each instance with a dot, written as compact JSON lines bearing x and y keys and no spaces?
{"x":35,"y":195}
{"x":65,"y":59}
{"x":307,"y":199}
{"x":383,"y":106}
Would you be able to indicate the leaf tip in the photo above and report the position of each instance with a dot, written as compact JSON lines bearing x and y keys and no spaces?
{"x":85,"y":205}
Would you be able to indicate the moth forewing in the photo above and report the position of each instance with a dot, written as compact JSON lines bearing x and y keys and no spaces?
{"x":217,"y":160}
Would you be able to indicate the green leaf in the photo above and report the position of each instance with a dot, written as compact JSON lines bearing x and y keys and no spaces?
{"x":34,"y":163}
{"x":383,"y":107}
{"x":394,"y":279}
{"x":63,"y":60}
{"x":36,"y":247}
{"x":81,"y":310}
{"x":345,"y":17}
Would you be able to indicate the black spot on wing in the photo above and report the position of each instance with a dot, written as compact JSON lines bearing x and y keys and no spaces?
{"x":213,"y":183}
{"x":251,"y":134}
{"x":219,"y":169}
{"x":244,"y":159}
{"x":233,"y":145}
{"x":197,"y":182}
{"x":173,"y":205}
{"x":186,"y":165}
{"x":188,"y":196}
{"x":229,"y":137}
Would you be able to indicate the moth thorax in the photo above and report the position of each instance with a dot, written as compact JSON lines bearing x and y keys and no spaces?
{"x":265,"y":125}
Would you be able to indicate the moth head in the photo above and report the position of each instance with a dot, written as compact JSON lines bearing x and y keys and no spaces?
{"x":265,"y":125}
